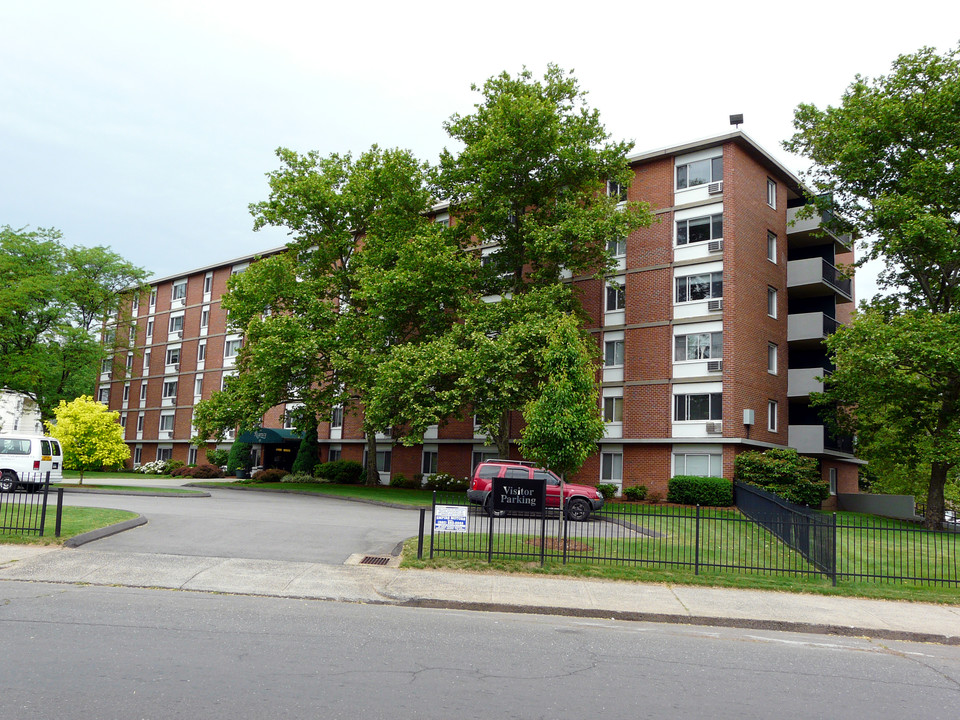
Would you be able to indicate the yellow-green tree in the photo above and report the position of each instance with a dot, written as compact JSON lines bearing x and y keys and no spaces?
{"x":89,"y":434}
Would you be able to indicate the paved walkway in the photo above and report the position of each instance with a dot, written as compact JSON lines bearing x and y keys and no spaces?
{"x":488,"y":591}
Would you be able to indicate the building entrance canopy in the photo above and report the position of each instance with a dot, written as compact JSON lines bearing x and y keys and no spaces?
{"x":269,"y":436}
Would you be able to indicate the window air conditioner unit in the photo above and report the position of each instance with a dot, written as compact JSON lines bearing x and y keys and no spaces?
{"x":715,"y":305}
{"x":715,"y":246}
{"x":714,"y":428}
{"x":179,"y":333}
{"x":176,"y":367}
{"x":715,"y":188}
{"x":715,"y":366}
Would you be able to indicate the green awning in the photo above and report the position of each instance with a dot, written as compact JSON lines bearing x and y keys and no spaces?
{"x":269,"y":436}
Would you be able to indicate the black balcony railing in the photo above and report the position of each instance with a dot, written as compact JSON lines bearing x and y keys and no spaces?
{"x":832,"y":277}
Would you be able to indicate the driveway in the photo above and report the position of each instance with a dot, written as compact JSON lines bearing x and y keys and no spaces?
{"x":260,"y":525}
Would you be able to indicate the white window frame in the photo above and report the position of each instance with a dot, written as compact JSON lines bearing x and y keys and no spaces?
{"x":772,"y":420}
{"x":772,"y":352}
{"x":613,"y":409}
{"x":711,"y":223}
{"x":143,"y":391}
{"x":616,"y":291}
{"x":772,"y":193}
{"x":611,"y":467}
{"x":231,"y":348}
{"x":772,"y":301}
{"x":174,"y":325}
{"x":201,"y":351}
{"x":170,"y":388}
{"x":712,"y":161}
{"x":703,"y":351}
{"x":205,"y":317}
{"x":618,"y":347}
{"x":714,"y":407}
{"x":430,"y":461}
{"x":174,"y":354}
{"x":167,"y":422}
{"x":617,"y":247}
{"x":207,"y":283}
{"x":833,"y":476}
{"x":336,"y":416}
{"x":179,"y":290}
{"x":714,"y":462}
{"x":772,"y":247}
{"x":198,"y":385}
{"x":684,"y":281}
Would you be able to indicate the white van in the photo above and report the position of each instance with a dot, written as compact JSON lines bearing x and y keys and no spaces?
{"x":25,"y":461}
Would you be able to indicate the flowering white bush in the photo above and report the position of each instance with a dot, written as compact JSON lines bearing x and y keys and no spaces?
{"x":157,"y":467}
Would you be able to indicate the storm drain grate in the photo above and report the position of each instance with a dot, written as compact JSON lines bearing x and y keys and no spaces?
{"x":373,"y":560}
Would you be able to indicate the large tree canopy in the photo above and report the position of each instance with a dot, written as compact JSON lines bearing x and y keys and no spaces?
{"x":887,"y":165}
{"x":53,"y":299}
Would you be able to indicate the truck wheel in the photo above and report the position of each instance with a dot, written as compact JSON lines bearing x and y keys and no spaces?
{"x":488,"y":507}
{"x":8,"y":481}
{"x":578,"y":509}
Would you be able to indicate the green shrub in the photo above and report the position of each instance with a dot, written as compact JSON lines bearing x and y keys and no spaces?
{"x":308,"y":450}
{"x":402,"y":481}
{"x":609,"y":490}
{"x":174,"y":465}
{"x":239,"y":457}
{"x":218,"y":456}
{"x":270,"y":475}
{"x":444,"y":482}
{"x":300,"y":478}
{"x":637,"y":493}
{"x":697,"y":490}
{"x":783,"y":472}
{"x":342,"y":472}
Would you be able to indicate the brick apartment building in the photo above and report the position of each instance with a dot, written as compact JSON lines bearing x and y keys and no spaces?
{"x":711,"y":331}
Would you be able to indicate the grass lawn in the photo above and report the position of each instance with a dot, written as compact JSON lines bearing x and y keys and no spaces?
{"x":93,"y":476}
{"x":76,"y":521}
{"x":377,"y":493}
{"x":133,"y":488}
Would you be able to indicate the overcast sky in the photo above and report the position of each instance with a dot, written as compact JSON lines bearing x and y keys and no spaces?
{"x":147,"y":126}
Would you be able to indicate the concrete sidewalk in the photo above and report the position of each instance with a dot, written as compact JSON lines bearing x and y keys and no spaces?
{"x":923,"y":622}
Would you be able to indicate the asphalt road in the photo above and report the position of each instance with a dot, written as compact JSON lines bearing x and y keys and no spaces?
{"x":269,"y":526}
{"x":101,"y":652}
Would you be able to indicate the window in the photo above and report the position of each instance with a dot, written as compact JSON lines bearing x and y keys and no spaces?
{"x":146,"y":361}
{"x":176,"y":323}
{"x":149,"y":329}
{"x":139,"y":423}
{"x":231,"y":348}
{"x":708,"y":406}
{"x":699,"y":172}
{"x":334,"y":454}
{"x":123,"y":421}
{"x":833,"y":481}
{"x":613,"y":409}
{"x":383,"y":461}
{"x":143,"y":392}
{"x":613,"y":353}
{"x":208,"y":283}
{"x":698,"y":346}
{"x":198,"y":385}
{"x":106,"y":365}
{"x":126,"y":392}
{"x":179,"y":290}
{"x":135,"y":303}
{"x":129,"y":362}
{"x":616,"y":190}
{"x":616,"y":296}
{"x":202,"y":351}
{"x":132,"y":335}
{"x":772,"y":358}
{"x":137,"y":455}
{"x":611,"y":467}
{"x":772,"y":302}
{"x":617,"y":247}
{"x":170,"y":389}
{"x":702,"y":464}
{"x":192,"y":456}
{"x":771,"y":193}
{"x":700,"y":229}
{"x":771,"y":247}
{"x":164,"y":454}
{"x":772,"y":416}
{"x":166,"y":422}
{"x":153,"y":297}
{"x":104,"y":395}
{"x":173,"y":355}
{"x":336,"y":417}
{"x":204,"y":317}
{"x":480,"y":456}
{"x":429,"y":466}
{"x":704,"y":286}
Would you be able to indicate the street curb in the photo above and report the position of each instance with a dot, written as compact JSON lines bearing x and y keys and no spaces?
{"x":84,"y":538}
{"x":704,"y":620}
{"x":134,"y":493}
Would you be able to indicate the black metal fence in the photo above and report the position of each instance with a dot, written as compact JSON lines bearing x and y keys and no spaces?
{"x":752,"y":539}
{"x":23,"y":511}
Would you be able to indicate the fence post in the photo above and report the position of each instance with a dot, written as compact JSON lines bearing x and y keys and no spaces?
{"x":696,"y":548}
{"x":423,"y":514}
{"x":433,"y":514}
{"x":836,"y":554}
{"x":43,"y":509}
{"x":490,"y":533}
{"x":56,"y":532}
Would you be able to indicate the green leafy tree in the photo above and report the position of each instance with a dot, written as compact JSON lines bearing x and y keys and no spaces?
{"x":366,"y":271}
{"x":887,"y":166}
{"x":89,"y":435}
{"x":306,"y":459}
{"x":897,"y":384}
{"x":563,"y":423}
{"x":532,"y":176}
{"x":53,"y":300}
{"x":239,"y":457}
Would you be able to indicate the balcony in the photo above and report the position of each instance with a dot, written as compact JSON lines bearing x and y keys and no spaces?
{"x":803,"y":381}
{"x":810,"y":231}
{"x":815,"y":440}
{"x":816,"y":277}
{"x":809,"y":329}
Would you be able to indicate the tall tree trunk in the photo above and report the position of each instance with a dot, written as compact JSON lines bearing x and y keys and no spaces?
{"x":373,"y":477}
{"x":933,"y":516}
{"x":503,"y":436}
